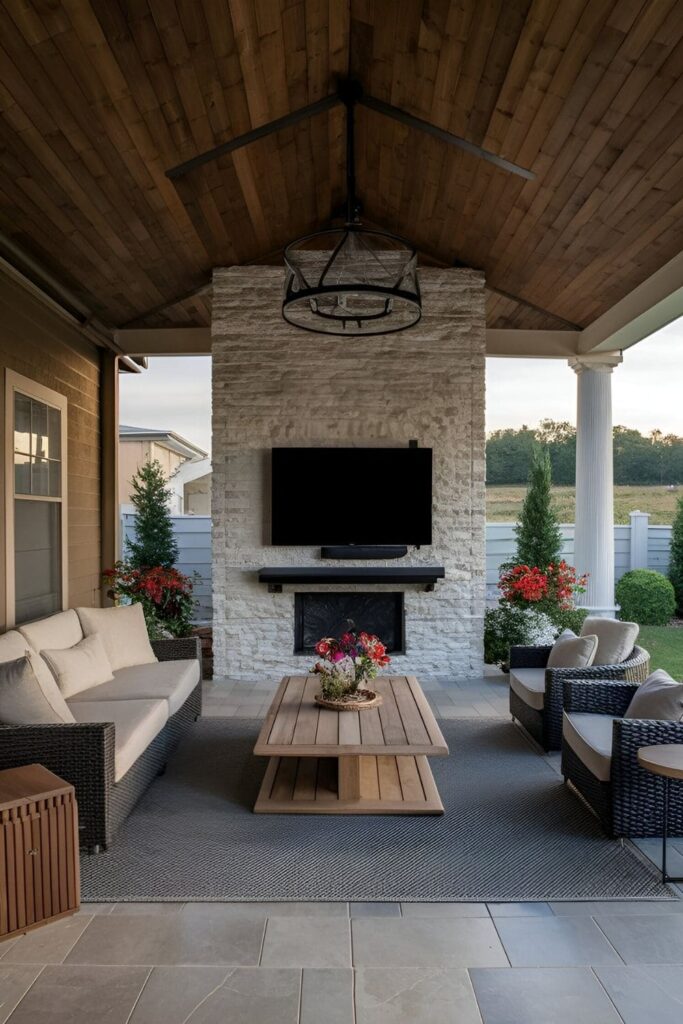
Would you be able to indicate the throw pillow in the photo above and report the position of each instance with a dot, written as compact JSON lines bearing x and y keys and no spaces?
{"x":123,"y":631}
{"x":616,"y":639}
{"x":660,"y":697}
{"x":80,"y":667}
{"x":570,"y":651}
{"x":25,"y":699}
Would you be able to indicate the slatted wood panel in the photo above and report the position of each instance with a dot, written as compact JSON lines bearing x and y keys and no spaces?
{"x":309,"y":785}
{"x":403,"y":724}
{"x":99,"y":99}
{"x":39,"y":866}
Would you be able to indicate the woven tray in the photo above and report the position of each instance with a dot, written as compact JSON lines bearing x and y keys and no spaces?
{"x":373,"y":700}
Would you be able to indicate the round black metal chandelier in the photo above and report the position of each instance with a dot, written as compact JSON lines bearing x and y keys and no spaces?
{"x":351,"y":280}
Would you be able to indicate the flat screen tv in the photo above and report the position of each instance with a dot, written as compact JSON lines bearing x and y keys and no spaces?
{"x":352,"y":496}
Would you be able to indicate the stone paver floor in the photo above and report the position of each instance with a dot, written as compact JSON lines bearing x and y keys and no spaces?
{"x":358,"y":963}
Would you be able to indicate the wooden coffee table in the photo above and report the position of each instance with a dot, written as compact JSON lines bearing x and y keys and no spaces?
{"x":350,"y":762}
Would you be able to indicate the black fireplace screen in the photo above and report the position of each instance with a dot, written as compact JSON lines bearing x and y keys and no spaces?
{"x":319,"y":615}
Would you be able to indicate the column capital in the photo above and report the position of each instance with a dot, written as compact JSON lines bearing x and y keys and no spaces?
{"x":600,"y":362}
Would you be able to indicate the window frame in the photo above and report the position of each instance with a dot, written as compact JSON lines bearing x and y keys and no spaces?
{"x":16,"y":383}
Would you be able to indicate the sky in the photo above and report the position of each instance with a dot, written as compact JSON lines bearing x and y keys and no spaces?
{"x":647,"y":391}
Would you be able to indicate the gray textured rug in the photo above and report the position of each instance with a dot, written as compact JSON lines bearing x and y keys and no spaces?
{"x":511,"y":831}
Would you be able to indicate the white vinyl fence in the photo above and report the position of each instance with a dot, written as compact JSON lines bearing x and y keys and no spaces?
{"x":193,"y":535}
{"x":636,"y":546}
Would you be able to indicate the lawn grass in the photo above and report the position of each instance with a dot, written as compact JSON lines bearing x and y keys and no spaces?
{"x":503,"y":503}
{"x":665,"y":644}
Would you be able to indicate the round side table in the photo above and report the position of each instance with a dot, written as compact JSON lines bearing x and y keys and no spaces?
{"x":665,"y":759}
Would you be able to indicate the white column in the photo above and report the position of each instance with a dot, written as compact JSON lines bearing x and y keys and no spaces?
{"x":594,"y":520}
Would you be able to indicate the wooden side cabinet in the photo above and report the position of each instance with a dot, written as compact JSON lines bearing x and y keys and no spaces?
{"x":39,"y":867}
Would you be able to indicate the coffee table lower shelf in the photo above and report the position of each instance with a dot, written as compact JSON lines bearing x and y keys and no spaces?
{"x":349,"y":785}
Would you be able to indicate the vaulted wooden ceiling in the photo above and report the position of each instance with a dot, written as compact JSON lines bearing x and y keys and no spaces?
{"x":99,"y":98}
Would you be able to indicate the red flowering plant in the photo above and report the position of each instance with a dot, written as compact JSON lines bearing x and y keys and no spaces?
{"x":165,"y":596}
{"x":554,"y":587}
{"x":346,"y":664}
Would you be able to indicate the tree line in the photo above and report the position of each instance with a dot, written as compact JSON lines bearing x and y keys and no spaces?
{"x":655,"y":458}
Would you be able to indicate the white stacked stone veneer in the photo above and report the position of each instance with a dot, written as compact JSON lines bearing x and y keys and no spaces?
{"x":275,"y":385}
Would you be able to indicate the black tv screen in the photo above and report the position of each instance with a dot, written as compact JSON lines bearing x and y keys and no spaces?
{"x":352,"y":496}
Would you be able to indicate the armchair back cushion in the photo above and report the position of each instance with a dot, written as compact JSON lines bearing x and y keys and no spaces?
{"x":660,"y":697}
{"x":56,"y":632}
{"x":571,"y":651}
{"x":123,"y":632}
{"x":79,"y":667}
{"x":29,"y":696}
{"x":616,"y":639}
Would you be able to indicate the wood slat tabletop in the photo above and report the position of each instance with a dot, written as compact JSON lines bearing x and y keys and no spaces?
{"x":403,"y":724}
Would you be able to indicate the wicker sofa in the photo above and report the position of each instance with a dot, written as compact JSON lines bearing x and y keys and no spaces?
{"x":600,"y":759}
{"x":536,"y":692}
{"x":123,"y":733}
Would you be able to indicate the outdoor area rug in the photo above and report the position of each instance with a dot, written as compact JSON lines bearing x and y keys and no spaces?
{"x":512,"y":831}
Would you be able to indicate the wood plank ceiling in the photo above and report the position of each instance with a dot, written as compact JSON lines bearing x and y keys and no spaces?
{"x":99,"y":98}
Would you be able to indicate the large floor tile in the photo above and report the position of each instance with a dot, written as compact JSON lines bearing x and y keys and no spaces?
{"x":519,"y":910}
{"x":370,"y":909}
{"x":172,"y":994}
{"x":15,"y":980}
{"x":49,"y":944}
{"x":66,"y":994}
{"x":263,"y":909}
{"x":253,"y":995}
{"x":444,"y":910}
{"x":542,"y":995}
{"x":331,"y":988}
{"x":158,"y":939}
{"x":645,"y":995}
{"x":424,"y":942}
{"x":307,"y":942}
{"x":415,"y":996}
{"x":554,"y":941}
{"x":147,"y":908}
{"x":653,"y":939}
{"x":589,"y":908}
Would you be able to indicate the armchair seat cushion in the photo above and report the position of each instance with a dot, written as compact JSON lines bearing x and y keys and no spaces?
{"x":136,"y":722}
{"x":529,"y":685}
{"x":590,"y":737}
{"x":171,"y":681}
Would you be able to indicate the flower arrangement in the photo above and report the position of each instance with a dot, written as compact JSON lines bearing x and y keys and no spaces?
{"x":165,"y":596}
{"x":552,"y":587}
{"x":348,"y":663}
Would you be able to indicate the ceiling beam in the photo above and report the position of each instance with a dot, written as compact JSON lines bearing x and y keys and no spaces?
{"x":164,"y":341}
{"x":649,"y":307}
{"x":526,"y":344}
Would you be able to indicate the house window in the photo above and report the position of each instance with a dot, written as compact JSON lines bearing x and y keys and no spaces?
{"x":36,"y":500}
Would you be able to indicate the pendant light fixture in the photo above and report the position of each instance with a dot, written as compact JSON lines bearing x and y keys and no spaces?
{"x":351,"y":280}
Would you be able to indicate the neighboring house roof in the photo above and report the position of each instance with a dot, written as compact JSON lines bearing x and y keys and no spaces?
{"x":167,"y":437}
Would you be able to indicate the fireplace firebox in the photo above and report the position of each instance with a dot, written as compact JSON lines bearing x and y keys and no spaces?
{"x":331,"y":614}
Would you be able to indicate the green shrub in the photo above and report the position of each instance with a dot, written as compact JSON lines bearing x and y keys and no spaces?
{"x":568,"y":618}
{"x":646,"y":597}
{"x":539,"y":538}
{"x":676,"y":556}
{"x":508,"y":625}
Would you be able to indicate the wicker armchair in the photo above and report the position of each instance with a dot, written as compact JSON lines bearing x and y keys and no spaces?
{"x":631,"y":802}
{"x":544,"y":723}
{"x":83,"y":754}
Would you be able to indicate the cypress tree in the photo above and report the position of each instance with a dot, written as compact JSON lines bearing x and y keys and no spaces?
{"x":676,"y":556}
{"x":154,"y":543}
{"x":539,"y":540}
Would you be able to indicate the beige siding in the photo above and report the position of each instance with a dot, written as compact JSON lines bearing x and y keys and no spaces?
{"x":38,"y":343}
{"x":134,"y":454}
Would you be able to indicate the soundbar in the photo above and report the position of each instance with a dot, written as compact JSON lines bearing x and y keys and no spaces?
{"x":364,"y":551}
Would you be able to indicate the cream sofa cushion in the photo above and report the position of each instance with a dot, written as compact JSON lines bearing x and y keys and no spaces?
{"x":529,"y":685}
{"x":54,"y":633}
{"x":13,"y":645}
{"x":590,"y":737}
{"x":123,"y":632}
{"x":79,"y":667}
{"x":616,"y":639}
{"x":660,"y":697}
{"x":25,"y":699}
{"x":172,"y":681}
{"x":571,"y":651}
{"x":137,"y":723}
